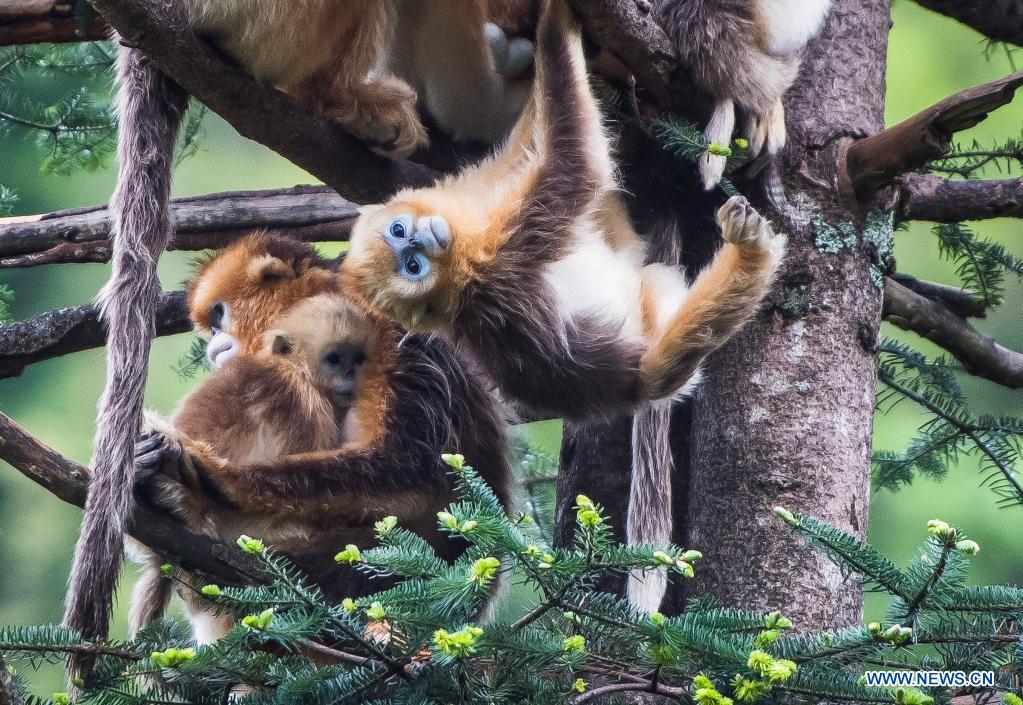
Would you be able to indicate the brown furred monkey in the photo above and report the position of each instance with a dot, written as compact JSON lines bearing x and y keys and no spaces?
{"x":324,"y":52}
{"x":293,"y":396}
{"x":745,"y":53}
{"x":529,"y":262}
{"x":414,"y":401}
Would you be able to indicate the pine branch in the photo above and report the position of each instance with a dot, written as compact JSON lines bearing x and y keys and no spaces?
{"x":876,"y":161}
{"x":68,"y":330}
{"x":308,"y":213}
{"x":928,"y":197}
{"x":1001,"y":20}
{"x":68,"y":481}
{"x":975,"y":432}
{"x":980,"y":354}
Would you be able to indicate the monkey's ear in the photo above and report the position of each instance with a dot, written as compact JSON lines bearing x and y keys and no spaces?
{"x":268,"y":269}
{"x":281,"y":344}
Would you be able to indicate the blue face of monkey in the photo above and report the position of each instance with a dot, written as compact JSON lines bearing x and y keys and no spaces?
{"x":414,"y":242}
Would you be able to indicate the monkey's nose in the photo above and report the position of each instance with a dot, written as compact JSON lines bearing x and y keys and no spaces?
{"x":433,"y":232}
{"x":222,"y":348}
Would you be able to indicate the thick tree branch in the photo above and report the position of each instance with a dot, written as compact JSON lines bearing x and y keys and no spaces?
{"x":959,"y":301}
{"x":980,"y":354}
{"x":68,"y":481}
{"x":876,"y":161}
{"x":68,"y":330}
{"x":1001,"y":20}
{"x":627,"y":29}
{"x":34,"y":21}
{"x":257,"y":111}
{"x":929,"y":197}
{"x":310,"y":213}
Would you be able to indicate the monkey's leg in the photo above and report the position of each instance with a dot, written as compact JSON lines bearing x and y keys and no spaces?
{"x":718,"y":132}
{"x":381,"y":110}
{"x":725,"y":295}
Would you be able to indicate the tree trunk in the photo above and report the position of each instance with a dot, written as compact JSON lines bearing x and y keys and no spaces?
{"x":783,"y":416}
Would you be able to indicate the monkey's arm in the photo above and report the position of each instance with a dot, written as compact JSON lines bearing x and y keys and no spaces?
{"x":343,"y":486}
{"x":724,"y":296}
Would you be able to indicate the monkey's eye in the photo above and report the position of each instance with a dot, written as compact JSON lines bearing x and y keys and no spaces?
{"x":398,"y":229}
{"x":216,"y":316}
{"x":333,"y":358}
{"x":414,"y":265}
{"x":360,"y":358}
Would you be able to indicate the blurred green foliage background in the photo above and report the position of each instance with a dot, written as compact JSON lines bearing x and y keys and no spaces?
{"x":930,"y":57}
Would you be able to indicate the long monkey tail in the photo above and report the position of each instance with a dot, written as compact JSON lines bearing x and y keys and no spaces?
{"x":150,"y":107}
{"x":649,"y":518}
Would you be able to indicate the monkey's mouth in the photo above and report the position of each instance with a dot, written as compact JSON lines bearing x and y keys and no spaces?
{"x":222,"y":347}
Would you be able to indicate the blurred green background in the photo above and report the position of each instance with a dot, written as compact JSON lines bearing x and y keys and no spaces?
{"x":930,"y":57}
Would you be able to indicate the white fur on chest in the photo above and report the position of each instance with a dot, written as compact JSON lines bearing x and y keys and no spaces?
{"x":791,"y":24}
{"x":596,"y":281}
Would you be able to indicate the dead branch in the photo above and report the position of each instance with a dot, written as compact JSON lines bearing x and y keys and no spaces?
{"x":1001,"y":20}
{"x":959,"y":301}
{"x":929,"y":197}
{"x":309,"y":213}
{"x":876,"y":161}
{"x":68,"y":330}
{"x":68,"y":481}
{"x":979,"y":353}
{"x":257,"y":111}
{"x":34,"y":21}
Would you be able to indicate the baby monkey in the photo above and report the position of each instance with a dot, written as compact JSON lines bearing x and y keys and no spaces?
{"x":293,"y":395}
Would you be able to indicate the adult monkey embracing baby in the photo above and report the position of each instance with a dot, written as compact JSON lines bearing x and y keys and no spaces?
{"x":528,"y":262}
{"x":316,"y":425}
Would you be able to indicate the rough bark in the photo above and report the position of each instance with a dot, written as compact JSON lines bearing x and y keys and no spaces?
{"x":67,"y":330}
{"x":784,"y":414}
{"x":980,"y":354}
{"x":9,"y":694}
{"x":927,"y":197}
{"x":310,"y":213}
{"x":1001,"y":20}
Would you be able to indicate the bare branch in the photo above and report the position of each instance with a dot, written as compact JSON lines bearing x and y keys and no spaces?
{"x":257,"y":111}
{"x":876,"y":161}
{"x":980,"y":354}
{"x":309,"y":213}
{"x":68,"y":481}
{"x":928,"y":197}
{"x":69,"y":330}
{"x":959,"y":301}
{"x":34,"y":21}
{"x":1001,"y":20}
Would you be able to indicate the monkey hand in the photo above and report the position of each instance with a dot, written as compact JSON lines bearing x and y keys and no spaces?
{"x":170,"y":477}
